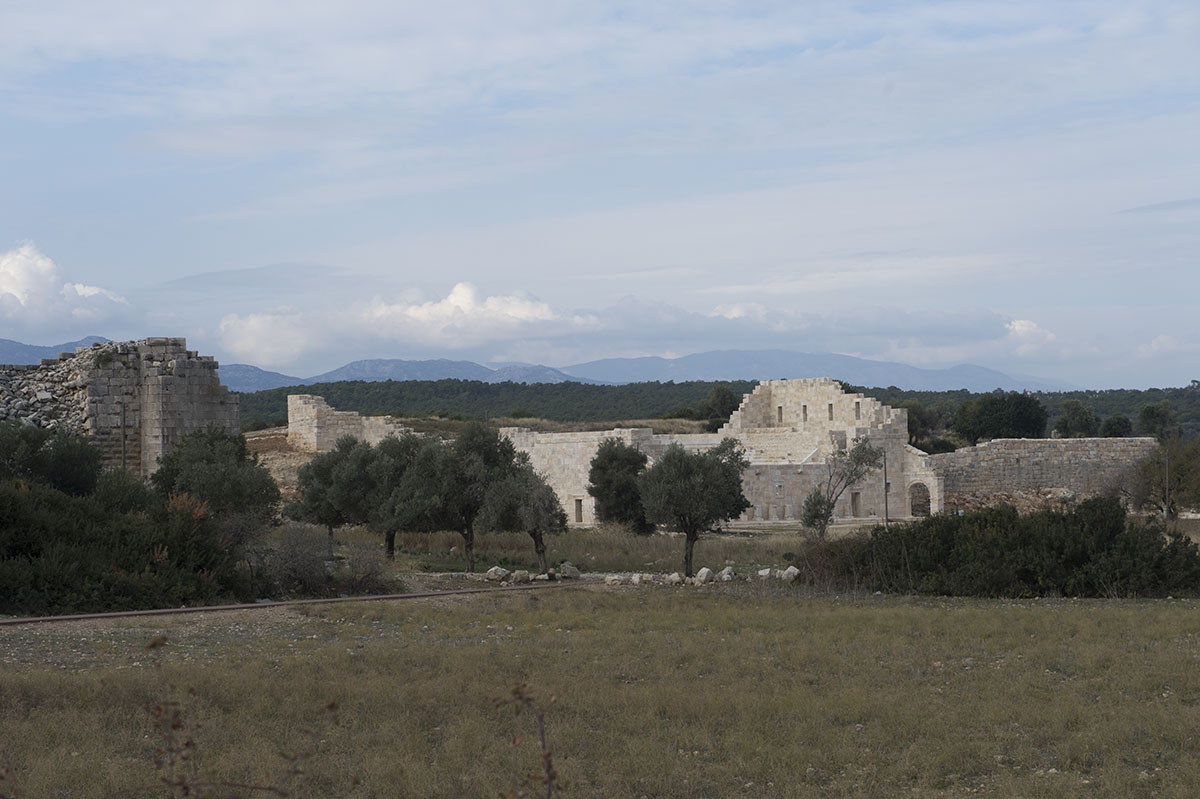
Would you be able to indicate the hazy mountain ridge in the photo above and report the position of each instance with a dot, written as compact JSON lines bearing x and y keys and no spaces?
{"x":707,"y":366}
{"x":780,"y":364}
{"x":15,"y":352}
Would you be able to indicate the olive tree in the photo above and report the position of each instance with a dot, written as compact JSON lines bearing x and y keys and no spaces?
{"x":694,"y":491}
{"x":844,"y":468}
{"x":523,"y":501}
{"x":613,"y":482}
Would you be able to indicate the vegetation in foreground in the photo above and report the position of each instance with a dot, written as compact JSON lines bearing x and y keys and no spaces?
{"x":736,"y":690}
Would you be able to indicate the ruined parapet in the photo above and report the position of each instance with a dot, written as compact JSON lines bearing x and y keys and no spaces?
{"x":313,"y":426}
{"x":1083,"y":467}
{"x":135,"y":399}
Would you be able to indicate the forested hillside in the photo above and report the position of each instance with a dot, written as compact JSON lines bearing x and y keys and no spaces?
{"x":567,"y":402}
{"x":561,"y":402}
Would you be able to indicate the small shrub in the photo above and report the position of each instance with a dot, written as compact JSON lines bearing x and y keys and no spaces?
{"x":298,"y":565}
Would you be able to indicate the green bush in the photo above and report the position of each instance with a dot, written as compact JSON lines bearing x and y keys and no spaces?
{"x":63,"y":554}
{"x":1091,"y":551}
{"x":63,"y":460}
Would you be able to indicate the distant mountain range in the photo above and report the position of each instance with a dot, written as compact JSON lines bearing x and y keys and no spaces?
{"x":717,"y":365}
{"x":16,"y":352}
{"x":245,"y":378}
{"x":780,"y":364}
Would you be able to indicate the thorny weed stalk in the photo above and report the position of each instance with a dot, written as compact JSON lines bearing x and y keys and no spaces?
{"x":177,"y":759}
{"x":521,"y":700}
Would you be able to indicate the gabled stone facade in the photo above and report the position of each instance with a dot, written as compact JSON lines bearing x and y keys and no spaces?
{"x":787,"y":428}
{"x":134,"y":398}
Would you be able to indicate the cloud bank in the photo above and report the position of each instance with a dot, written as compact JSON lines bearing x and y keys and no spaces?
{"x":35,"y":299}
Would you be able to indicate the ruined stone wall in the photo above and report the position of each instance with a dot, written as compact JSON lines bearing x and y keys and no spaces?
{"x":134,"y":398}
{"x":786,"y":429}
{"x":313,"y":426}
{"x":1082,"y":466}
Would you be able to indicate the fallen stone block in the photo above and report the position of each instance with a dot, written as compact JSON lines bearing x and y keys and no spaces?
{"x":568,"y":571}
{"x":497,"y":574}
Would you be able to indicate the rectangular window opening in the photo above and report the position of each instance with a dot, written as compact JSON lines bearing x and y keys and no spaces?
{"x":857,"y":410}
{"x":779,"y":414}
{"x":579,"y":511}
{"x":804,"y":412}
{"x":855,"y":503}
{"x":831,"y":411}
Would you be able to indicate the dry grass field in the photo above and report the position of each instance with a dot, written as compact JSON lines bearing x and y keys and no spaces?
{"x":732,"y":690}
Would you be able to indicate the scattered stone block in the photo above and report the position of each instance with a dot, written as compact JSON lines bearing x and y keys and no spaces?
{"x":520,"y":577}
{"x":705,"y":575}
{"x":567,"y":571}
{"x":497,"y":574}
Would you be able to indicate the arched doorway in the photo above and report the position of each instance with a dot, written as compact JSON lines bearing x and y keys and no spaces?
{"x":918,"y":500}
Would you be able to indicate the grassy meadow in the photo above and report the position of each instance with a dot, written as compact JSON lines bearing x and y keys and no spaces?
{"x":741,"y":689}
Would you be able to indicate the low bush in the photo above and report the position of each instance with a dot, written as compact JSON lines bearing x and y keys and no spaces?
{"x":1093,"y":550}
{"x":63,"y":554}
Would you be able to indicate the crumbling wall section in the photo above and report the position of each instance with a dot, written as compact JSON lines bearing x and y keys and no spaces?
{"x":135,"y":399}
{"x":313,"y":426}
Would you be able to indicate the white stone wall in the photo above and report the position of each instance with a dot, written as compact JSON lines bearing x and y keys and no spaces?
{"x":313,"y":426}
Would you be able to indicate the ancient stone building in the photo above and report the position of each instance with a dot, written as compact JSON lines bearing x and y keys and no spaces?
{"x":134,"y":398}
{"x":788,"y":429}
{"x":313,"y":426}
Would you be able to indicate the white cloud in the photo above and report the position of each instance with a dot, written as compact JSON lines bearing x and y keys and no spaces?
{"x":462,"y":320}
{"x":35,"y":299}
{"x":1028,"y":336}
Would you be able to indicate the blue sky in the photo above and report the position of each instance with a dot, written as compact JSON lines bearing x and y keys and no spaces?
{"x":295,"y":185}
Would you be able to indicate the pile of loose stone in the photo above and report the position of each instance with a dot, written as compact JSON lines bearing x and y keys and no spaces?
{"x":51,"y":395}
{"x":704,"y":576}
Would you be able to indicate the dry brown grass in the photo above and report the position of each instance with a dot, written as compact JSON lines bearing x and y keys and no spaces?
{"x":735,"y":690}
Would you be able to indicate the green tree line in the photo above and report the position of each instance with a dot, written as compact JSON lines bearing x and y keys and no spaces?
{"x":931,"y":413}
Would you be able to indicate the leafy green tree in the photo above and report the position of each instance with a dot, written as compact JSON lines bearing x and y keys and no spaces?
{"x":62,"y":460}
{"x":1116,"y":426}
{"x":719,"y":404}
{"x":448,"y":487}
{"x":523,"y":501}
{"x":1158,"y":419}
{"x":1001,"y":415}
{"x":693,"y":491}
{"x":1077,"y":421}
{"x":1168,"y":480}
{"x":400,"y":500}
{"x":613,"y":482}
{"x":334,"y":487}
{"x":216,"y":468}
{"x":844,"y":468}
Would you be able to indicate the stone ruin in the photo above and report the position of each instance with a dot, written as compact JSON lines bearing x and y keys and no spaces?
{"x":313,"y":426}
{"x":788,"y":429}
{"x":134,"y":398}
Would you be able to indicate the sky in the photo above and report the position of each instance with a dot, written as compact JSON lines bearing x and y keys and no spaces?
{"x":298,"y":184}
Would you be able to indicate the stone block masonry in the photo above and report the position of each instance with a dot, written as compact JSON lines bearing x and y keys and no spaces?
{"x":135,"y":399}
{"x":313,"y":426}
{"x":1083,"y":466}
